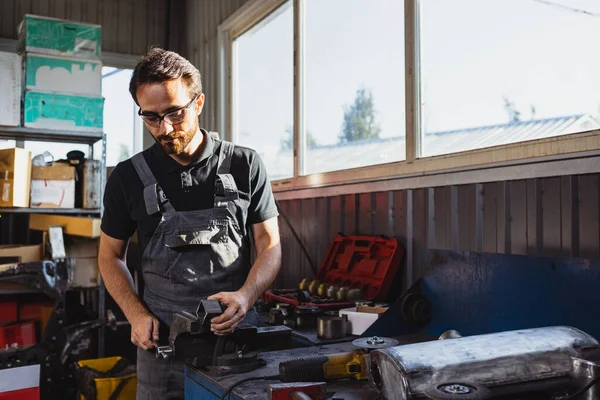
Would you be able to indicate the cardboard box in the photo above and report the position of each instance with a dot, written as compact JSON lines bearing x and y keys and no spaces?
{"x":77,"y":226}
{"x":60,"y":37}
{"x":53,"y":187}
{"x":15,"y":177}
{"x":84,"y":262}
{"x":63,"y":111}
{"x":63,"y":75}
{"x":22,"y":253}
{"x":10,"y":82}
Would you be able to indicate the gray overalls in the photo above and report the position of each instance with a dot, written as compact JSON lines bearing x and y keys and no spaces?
{"x":191,"y":255}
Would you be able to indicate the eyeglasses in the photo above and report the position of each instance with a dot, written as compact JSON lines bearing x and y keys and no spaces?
{"x":172,"y":117}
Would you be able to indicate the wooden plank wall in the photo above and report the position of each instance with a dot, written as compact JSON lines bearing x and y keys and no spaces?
{"x":556,"y":217}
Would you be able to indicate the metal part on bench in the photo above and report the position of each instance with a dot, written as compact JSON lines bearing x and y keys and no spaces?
{"x":331,"y":327}
{"x":513,"y":362}
{"x":375,"y":342}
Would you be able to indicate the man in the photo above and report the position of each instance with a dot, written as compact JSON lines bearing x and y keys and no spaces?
{"x":193,"y":200}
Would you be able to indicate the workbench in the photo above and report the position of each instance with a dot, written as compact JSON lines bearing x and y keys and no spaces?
{"x":203,"y":385}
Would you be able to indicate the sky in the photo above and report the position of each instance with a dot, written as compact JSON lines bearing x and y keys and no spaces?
{"x":474,"y":54}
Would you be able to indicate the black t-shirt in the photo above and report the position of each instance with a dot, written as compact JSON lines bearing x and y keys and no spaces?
{"x":125,"y":211}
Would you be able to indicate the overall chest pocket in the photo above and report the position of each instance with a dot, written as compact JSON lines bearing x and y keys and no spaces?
{"x":201,"y":253}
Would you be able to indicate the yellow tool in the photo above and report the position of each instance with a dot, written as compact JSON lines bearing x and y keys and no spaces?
{"x":318,"y":368}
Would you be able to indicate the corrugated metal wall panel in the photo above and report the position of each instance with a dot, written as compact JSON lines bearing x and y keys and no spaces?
{"x":555,"y":217}
{"x":589,"y":231}
{"x":518,"y":210}
{"x":129,"y":26}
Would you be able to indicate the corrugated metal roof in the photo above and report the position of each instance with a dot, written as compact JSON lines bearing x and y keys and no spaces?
{"x":379,"y":151}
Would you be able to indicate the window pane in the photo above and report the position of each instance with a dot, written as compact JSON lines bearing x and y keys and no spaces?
{"x":120,"y":115}
{"x":263,"y":91}
{"x":354,"y":83}
{"x":505,"y":71}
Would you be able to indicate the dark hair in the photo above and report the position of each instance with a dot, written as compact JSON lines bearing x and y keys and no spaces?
{"x":159,"y":65}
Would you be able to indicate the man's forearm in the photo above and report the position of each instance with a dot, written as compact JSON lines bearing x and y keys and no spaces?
{"x":263,"y":273}
{"x":119,"y":284}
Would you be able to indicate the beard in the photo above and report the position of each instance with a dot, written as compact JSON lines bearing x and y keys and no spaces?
{"x":175,"y":142}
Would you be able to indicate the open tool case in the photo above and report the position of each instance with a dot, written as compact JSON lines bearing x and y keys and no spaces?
{"x":368,"y":263}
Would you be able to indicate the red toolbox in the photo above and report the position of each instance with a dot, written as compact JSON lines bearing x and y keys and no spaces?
{"x":8,"y":311}
{"x":21,"y":333}
{"x":368,"y":263}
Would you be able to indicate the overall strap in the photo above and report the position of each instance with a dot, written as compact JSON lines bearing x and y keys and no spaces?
{"x":225,"y":187}
{"x":154,"y":196}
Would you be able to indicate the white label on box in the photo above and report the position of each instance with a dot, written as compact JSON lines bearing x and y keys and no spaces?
{"x":6,"y":191}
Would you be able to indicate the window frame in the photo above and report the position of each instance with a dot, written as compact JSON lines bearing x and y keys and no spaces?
{"x":548,"y":154}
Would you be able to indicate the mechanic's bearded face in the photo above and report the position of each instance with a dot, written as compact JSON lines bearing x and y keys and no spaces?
{"x":170,"y":113}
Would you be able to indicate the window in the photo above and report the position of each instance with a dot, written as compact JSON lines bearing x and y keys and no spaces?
{"x":504,"y":71}
{"x":263,"y":86}
{"x":354,"y":101}
{"x":122,"y":125}
{"x":396,"y":88}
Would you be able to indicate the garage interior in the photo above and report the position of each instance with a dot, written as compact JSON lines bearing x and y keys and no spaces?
{"x":468,"y":199}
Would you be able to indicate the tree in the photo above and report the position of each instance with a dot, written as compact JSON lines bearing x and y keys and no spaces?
{"x":287,"y":143}
{"x":533,"y":110}
{"x":359,"y":118}
{"x":514,"y":115}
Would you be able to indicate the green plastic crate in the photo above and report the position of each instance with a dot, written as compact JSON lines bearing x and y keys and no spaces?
{"x":60,"y":37}
{"x":63,"y":111}
{"x":63,"y":75}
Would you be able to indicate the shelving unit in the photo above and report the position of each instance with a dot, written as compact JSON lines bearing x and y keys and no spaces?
{"x":48,"y":135}
{"x":21,"y":134}
{"x":28,"y":210}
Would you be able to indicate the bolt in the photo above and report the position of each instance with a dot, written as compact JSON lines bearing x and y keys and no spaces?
{"x":375,"y":340}
{"x":60,"y":321}
{"x":240,"y":354}
{"x":455,"y":389}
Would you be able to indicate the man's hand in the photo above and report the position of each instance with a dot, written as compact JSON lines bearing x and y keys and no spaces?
{"x":144,"y":330}
{"x":237,"y":306}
